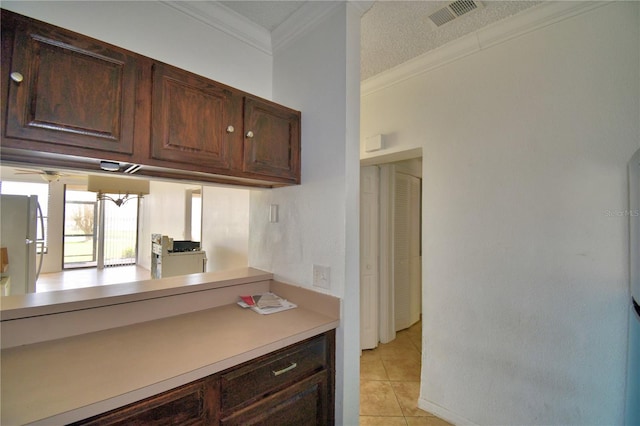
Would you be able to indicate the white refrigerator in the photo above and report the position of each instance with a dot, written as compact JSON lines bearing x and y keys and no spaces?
{"x":18,"y":229}
{"x":632,"y":405}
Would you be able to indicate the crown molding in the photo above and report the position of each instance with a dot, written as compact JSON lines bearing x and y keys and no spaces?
{"x":226,"y":20}
{"x":301,"y":21}
{"x":525,"y":22}
{"x":361,"y":5}
{"x":310,"y":14}
{"x":230,"y":22}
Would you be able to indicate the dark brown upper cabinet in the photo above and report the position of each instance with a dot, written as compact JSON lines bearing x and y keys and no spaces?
{"x":271,"y":139}
{"x":69,"y":100}
{"x":193,"y":120}
{"x":69,"y":90}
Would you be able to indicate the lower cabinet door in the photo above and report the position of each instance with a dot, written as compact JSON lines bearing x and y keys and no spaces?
{"x":304,"y":403}
{"x":186,"y":405}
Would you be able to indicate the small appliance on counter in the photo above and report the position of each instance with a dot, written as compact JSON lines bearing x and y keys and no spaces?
{"x":170,"y":257}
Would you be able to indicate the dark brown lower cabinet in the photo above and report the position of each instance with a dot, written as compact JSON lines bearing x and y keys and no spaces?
{"x":293,"y":386}
{"x":186,"y":405}
{"x":301,"y":404}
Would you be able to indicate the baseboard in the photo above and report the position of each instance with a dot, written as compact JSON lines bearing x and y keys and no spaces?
{"x":443,"y":413}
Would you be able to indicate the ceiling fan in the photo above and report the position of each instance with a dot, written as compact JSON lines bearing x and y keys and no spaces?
{"x":46,"y":175}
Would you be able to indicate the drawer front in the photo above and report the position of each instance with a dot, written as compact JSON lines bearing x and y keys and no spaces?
{"x":303,"y":404}
{"x":267,"y":375}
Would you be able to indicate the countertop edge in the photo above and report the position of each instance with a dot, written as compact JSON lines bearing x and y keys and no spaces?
{"x":156,"y":388}
{"x":55,"y":302}
{"x":316,"y":313}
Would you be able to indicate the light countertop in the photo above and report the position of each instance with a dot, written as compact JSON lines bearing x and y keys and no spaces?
{"x":51,"y":302}
{"x":65,"y":380}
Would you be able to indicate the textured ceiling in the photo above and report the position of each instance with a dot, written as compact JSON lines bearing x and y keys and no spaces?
{"x":395,"y":31}
{"x":392,"y":31}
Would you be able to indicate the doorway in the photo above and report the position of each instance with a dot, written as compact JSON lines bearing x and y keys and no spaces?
{"x":98,"y":235}
{"x":390,"y":250}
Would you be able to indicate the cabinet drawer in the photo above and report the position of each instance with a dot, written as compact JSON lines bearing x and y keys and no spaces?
{"x":269,"y":374}
{"x":302,"y":404}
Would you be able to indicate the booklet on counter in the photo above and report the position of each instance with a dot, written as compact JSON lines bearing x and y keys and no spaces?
{"x":266,"y":303}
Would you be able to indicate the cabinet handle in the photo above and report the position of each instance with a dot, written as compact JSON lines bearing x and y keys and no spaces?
{"x":230,"y":129}
{"x":17,"y":77}
{"x":249,"y":134}
{"x":284,"y":370}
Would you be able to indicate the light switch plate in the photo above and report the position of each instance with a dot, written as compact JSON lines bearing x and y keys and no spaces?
{"x":273,"y":213}
{"x":322,"y":276}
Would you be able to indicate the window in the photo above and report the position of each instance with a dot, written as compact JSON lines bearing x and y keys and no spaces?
{"x":98,"y":239}
{"x":196,"y":215}
{"x":42,"y":191}
{"x":79,"y":228}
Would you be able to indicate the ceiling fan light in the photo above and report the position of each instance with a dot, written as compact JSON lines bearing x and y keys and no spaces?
{"x":50,"y":176}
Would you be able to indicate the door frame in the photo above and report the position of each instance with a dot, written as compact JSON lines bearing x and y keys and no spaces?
{"x":385,"y":294}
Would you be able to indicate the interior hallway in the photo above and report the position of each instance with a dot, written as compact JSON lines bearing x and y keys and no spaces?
{"x":390,"y":383}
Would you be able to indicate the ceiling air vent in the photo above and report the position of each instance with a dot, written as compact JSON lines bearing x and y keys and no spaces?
{"x":454,"y":10}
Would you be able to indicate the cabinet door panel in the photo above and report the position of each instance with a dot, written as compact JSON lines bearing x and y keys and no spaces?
{"x":190,"y":119}
{"x":302,"y":404}
{"x":185,"y":405}
{"x":75,"y":91}
{"x":272,"y":140}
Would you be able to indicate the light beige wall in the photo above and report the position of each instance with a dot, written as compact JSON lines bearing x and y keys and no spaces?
{"x":225,"y":222}
{"x":225,"y":227}
{"x":162,"y":212}
{"x":525,"y":277}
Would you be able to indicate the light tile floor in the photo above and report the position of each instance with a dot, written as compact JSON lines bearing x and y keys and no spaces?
{"x":390,"y":383}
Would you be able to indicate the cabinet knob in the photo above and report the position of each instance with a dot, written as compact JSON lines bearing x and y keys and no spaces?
{"x":17,"y":77}
{"x":230,"y":129}
{"x":249,"y":134}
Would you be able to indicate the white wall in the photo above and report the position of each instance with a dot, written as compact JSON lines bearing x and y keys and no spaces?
{"x":319,"y":219}
{"x":225,"y":227}
{"x":163,"y":211}
{"x":525,"y":275}
{"x":225,"y":222}
{"x":158,"y":31}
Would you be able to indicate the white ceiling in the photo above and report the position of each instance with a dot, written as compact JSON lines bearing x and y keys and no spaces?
{"x":393,"y":31}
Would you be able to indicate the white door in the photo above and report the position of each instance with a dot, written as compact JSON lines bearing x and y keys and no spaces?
{"x":406,"y":251}
{"x":369,"y":225}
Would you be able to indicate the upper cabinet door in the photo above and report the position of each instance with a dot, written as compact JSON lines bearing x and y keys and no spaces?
{"x":69,"y":90}
{"x":192,"y":119}
{"x":271,"y":140}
